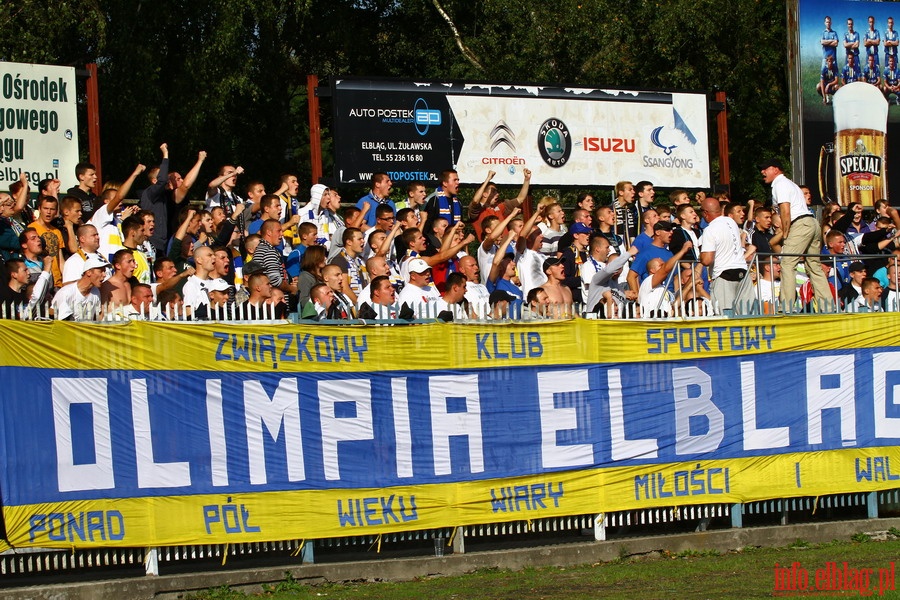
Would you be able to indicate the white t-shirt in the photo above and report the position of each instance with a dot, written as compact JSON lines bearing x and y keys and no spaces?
{"x":69,"y":301}
{"x":74,"y":265}
{"x":723,"y":237}
{"x":786,"y":191}
{"x":108,"y":227}
{"x":531,"y":270}
{"x":649,"y":298}
{"x":486,"y":261}
{"x":419,"y":299}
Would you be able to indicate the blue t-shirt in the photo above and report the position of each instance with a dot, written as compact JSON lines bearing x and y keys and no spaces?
{"x":871,"y":75}
{"x":851,"y":74}
{"x":829,"y":35}
{"x":850,"y":38}
{"x":890,"y":35}
{"x":892,"y":76}
{"x":639,"y":265}
{"x":829,"y":75}
{"x":873,"y":50}
{"x":373,"y":205}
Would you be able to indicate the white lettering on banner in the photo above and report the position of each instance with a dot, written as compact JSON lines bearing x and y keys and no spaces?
{"x":445,"y":424}
{"x":830,"y":384}
{"x":67,"y":392}
{"x":754,"y":438}
{"x":555,"y":419}
{"x":882,"y":363}
{"x":688,"y":406}
{"x":218,"y":448}
{"x":567,"y":402}
{"x":335,"y":429}
{"x":402,"y":432}
{"x":280,"y":410}
{"x":624,"y":449}
{"x":151,"y":474}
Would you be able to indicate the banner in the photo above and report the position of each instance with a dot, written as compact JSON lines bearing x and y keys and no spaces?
{"x":847,"y":82}
{"x":38,"y":123}
{"x":146,"y":434}
{"x":566,"y":136}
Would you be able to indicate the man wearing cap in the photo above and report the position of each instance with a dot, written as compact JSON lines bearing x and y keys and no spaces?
{"x":802,"y":235}
{"x":579,"y":215}
{"x":662,"y":235}
{"x":80,"y":300}
{"x":558,"y":293}
{"x":218,"y":292}
{"x":418,"y":292}
{"x":723,"y":253}
{"x":574,"y":257}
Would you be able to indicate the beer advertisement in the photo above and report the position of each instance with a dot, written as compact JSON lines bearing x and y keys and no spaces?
{"x":849,"y":99}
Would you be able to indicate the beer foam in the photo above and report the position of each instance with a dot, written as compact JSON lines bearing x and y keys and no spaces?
{"x":860,"y":105}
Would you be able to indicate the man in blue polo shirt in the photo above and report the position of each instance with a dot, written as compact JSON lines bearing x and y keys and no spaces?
{"x":828,"y":81}
{"x":379,"y":194}
{"x":851,"y":72}
{"x":829,"y":42}
{"x":851,"y":41}
{"x":872,"y":41}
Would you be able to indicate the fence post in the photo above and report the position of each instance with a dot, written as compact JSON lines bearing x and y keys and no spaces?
{"x":872,"y":504}
{"x":306,"y":552}
{"x":459,"y":541}
{"x":737,"y":515}
{"x":600,"y":527}
{"x":151,"y":562}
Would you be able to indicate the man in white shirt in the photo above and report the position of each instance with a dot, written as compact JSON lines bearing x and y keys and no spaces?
{"x":80,"y":300}
{"x":723,"y":252}
{"x":419,"y":292}
{"x":802,"y":235}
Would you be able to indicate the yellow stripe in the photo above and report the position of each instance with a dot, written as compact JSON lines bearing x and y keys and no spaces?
{"x":314,"y":514}
{"x":167,"y":346}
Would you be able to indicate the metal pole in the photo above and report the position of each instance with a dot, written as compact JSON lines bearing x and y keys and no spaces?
{"x":93,"y":124}
{"x":315,"y":128}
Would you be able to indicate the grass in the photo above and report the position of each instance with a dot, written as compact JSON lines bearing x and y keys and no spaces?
{"x":744,"y":574}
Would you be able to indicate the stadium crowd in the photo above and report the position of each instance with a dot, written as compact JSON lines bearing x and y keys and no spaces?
{"x":243,"y":253}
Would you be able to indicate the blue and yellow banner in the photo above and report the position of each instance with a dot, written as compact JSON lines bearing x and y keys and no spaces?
{"x":146,"y":434}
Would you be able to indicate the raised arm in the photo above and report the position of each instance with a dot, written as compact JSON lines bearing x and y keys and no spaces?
{"x":213,"y":186}
{"x":497,"y":231}
{"x":385,"y":246}
{"x":21,"y":196}
{"x":523,"y":191}
{"x":528,"y":227}
{"x":499,"y":256}
{"x":189,"y":179}
{"x":124,"y":188}
{"x":660,"y":276}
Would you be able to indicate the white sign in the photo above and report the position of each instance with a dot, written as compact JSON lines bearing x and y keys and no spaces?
{"x":38,"y":123}
{"x":580,"y":141}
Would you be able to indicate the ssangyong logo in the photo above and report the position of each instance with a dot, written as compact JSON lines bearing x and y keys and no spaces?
{"x":554,"y":143}
{"x":425,"y":117}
